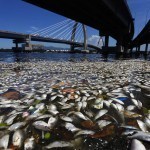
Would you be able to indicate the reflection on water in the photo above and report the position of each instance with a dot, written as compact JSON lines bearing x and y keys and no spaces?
{"x":26,"y":57}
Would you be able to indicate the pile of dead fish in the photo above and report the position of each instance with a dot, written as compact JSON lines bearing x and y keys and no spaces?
{"x":75,"y":105}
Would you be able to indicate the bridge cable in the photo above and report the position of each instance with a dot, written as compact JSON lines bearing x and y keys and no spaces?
{"x":80,"y":36}
{"x":70,"y":34}
{"x":79,"y":30}
{"x":67,"y":31}
{"x":67,"y":36}
{"x":54,"y":28}
{"x":63,"y":32}
{"x":58,"y":30}
{"x":64,"y":21}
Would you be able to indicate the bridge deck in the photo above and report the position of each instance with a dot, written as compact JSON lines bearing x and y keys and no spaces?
{"x":111,"y":17}
{"x":22,"y":37}
{"x":143,"y":37}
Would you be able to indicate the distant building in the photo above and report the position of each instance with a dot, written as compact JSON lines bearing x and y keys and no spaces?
{"x":33,"y":47}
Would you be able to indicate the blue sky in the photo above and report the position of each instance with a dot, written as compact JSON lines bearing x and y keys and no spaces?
{"x":16,"y":15}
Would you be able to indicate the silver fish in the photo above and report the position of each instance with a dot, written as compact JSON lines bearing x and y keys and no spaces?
{"x":103,"y":123}
{"x":100,"y":113}
{"x":59,"y":144}
{"x":4,"y":141}
{"x":65,"y":118}
{"x":71,"y":127}
{"x":80,"y":115}
{"x":137,"y":145}
{"x":16,"y":126}
{"x":41,"y":125}
{"x":18,"y":138}
{"x":52,"y":121}
{"x":29,"y":144}
{"x":140,"y":136}
{"x":142,"y":125}
{"x":84,"y":132}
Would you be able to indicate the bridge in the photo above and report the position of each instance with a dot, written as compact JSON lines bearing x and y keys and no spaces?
{"x":65,"y":32}
{"x":142,"y":38}
{"x":110,"y":17}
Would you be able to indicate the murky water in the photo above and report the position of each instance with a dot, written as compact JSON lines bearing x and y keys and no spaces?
{"x":25,"y":57}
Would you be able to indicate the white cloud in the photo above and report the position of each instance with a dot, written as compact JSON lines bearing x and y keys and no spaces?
{"x":95,"y":40}
{"x":34,"y":28}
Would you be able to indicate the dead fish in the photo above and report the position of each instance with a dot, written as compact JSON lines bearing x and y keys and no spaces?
{"x":137,"y":145}
{"x":84,"y":98}
{"x":78,"y":99}
{"x":84,"y":132}
{"x":117,"y":100}
{"x":137,"y":103}
{"x":71,"y":127}
{"x":18,"y":138}
{"x":52,"y":107}
{"x":33,"y":116}
{"x":52,"y":121}
{"x":16,"y":126}
{"x":41,"y":125}
{"x":44,"y":116}
{"x":4,"y":141}
{"x":131,"y":107}
{"x":89,"y":113}
{"x":103,"y":123}
{"x":140,"y":136}
{"x":98,"y":106}
{"x":147,"y":122}
{"x":64,"y":100}
{"x":59,"y":144}
{"x":53,"y":97}
{"x":67,"y":106}
{"x":131,"y":95}
{"x":100,"y":113}
{"x":106,"y":104}
{"x":65,"y":118}
{"x":2,"y":118}
{"x":10,"y":120}
{"x":79,"y":106}
{"x":142,"y":125}
{"x":91,"y":98}
{"x":84,"y":104}
{"x":29,"y":144}
{"x":80,"y":115}
{"x":119,"y":107}
{"x":53,"y":112}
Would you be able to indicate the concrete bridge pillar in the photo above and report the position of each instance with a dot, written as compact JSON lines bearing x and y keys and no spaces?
{"x":106,"y":41}
{"x":146,"y":48}
{"x":119,"y":49}
{"x":146,"y":51}
{"x":136,"y":48}
{"x":16,"y":43}
{"x":74,"y":33}
{"x":139,"y":48}
{"x":28,"y":45}
{"x":131,"y":51}
{"x":73,"y":36}
{"x":85,"y":37}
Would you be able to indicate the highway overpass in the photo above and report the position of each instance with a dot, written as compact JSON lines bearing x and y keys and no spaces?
{"x":111,"y":17}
